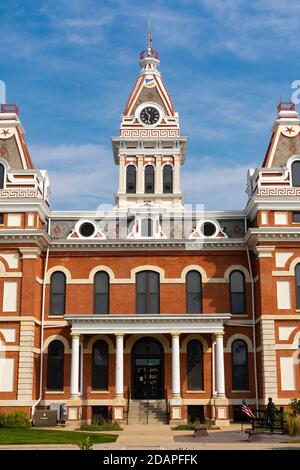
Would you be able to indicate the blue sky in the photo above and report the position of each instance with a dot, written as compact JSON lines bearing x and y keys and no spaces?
{"x":70,"y":65}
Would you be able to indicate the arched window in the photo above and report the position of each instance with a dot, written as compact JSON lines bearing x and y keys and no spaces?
{"x":296,"y":173}
{"x":101,"y":293}
{"x":239,"y":358}
{"x":297,"y":281}
{"x":100,"y":366}
{"x":147,"y":292}
{"x":195,"y":365}
{"x":2,"y":176}
{"x":149,"y":179}
{"x":131,"y":179}
{"x":57,"y":293}
{"x":168,"y":179}
{"x":55,"y":369}
{"x":237,"y":292}
{"x":147,"y":228}
{"x":193,"y":292}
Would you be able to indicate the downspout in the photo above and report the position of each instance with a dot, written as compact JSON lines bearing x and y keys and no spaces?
{"x":42,"y":329}
{"x":253,"y":322}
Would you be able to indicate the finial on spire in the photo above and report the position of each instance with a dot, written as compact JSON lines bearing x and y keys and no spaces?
{"x":149,"y":49}
{"x":149,"y":53}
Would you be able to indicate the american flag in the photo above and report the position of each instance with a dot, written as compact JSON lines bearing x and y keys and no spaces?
{"x":247,"y":410}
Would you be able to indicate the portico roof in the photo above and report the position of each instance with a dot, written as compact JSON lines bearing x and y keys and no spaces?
{"x":143,"y":324}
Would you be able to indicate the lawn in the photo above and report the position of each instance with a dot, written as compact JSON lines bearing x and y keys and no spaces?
{"x":42,"y":436}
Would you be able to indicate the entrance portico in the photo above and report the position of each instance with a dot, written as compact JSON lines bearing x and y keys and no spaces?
{"x":148,"y":365}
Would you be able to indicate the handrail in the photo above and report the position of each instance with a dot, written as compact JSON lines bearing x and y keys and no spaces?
{"x":128,"y":404}
{"x":277,"y":423}
{"x":167,"y":405}
{"x":286,"y":106}
{"x":147,"y":409}
{"x":9,"y":108}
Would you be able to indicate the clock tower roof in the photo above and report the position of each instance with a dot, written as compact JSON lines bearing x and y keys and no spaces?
{"x":149,"y":148}
{"x":149,"y":86}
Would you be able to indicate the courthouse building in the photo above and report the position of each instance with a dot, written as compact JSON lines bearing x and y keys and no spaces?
{"x":153,"y":308}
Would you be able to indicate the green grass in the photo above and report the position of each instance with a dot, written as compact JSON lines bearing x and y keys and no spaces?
{"x":41,"y":436}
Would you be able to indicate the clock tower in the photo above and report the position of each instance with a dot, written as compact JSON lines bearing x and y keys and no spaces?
{"x":149,"y":149}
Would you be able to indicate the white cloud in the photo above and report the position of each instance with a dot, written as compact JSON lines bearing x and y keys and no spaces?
{"x":81,"y":176}
{"x":84,"y":176}
{"x":218,"y":186}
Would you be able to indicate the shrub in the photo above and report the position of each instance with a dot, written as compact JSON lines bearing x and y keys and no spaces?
{"x":295,"y":405}
{"x":16,"y":419}
{"x":191,"y":426}
{"x":292,"y":424}
{"x":86,"y":444}
{"x":104,"y":426}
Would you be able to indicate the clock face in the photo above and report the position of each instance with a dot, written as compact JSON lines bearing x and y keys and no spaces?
{"x":149,"y":115}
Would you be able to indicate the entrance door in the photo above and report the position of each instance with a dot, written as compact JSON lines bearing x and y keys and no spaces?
{"x":147,"y":370}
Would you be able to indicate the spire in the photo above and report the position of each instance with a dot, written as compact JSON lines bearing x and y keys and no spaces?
{"x":149,"y":58}
{"x":149,"y":49}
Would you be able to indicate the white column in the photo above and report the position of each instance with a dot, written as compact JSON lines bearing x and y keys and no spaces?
{"x":158,"y":174}
{"x":176,"y":175}
{"x":213,"y":358}
{"x":175,"y":365}
{"x":119,"y":365}
{"x":122,"y":176}
{"x":81,"y":369}
{"x":75,"y":365}
{"x":140,"y":175}
{"x":220,"y":375}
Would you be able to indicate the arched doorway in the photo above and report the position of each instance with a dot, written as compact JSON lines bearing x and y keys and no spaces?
{"x":147,"y":369}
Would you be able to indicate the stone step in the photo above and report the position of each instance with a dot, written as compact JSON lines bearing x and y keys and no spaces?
{"x":147,"y":412}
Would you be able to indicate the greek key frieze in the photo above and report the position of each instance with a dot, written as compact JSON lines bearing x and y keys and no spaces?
{"x":19,"y":193}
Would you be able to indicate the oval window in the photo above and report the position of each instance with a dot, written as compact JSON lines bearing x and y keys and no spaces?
{"x":209,"y":229}
{"x":87,"y":229}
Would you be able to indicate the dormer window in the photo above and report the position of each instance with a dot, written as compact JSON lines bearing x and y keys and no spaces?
{"x":296,"y":173}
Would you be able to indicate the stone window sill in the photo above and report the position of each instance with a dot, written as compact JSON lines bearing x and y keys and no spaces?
{"x":195,"y":391}
{"x":99,"y":392}
{"x":240,"y":391}
{"x":53,"y":392}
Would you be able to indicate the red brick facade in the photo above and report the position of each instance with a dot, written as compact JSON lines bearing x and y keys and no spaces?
{"x":260,"y":242}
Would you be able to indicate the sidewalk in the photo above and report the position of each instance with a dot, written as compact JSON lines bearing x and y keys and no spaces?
{"x":160,"y":437}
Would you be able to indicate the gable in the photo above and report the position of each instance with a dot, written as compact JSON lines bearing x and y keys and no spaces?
{"x":9,"y":151}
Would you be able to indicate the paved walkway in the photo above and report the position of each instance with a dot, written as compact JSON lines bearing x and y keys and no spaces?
{"x":160,"y":437}
{"x":141,"y":436}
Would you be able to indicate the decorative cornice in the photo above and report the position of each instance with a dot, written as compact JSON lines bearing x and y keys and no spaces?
{"x":38,"y":237}
{"x":272,"y":234}
{"x":161,"y":323}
